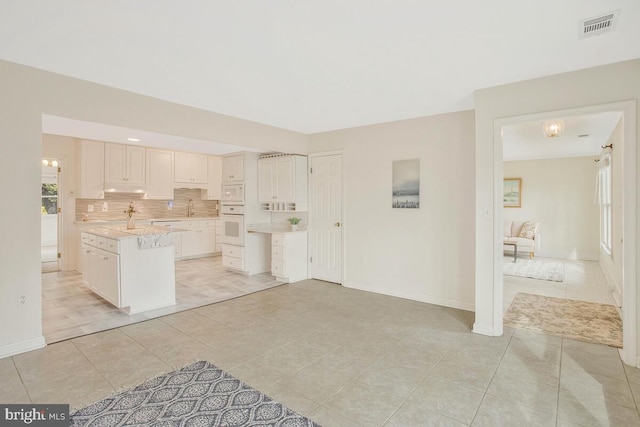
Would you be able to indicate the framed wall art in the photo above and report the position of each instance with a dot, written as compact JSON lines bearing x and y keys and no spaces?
{"x":512,"y":193}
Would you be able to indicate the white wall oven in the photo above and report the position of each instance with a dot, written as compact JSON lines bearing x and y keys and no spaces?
{"x":233,"y":229}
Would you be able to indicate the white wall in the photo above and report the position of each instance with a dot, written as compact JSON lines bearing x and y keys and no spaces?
{"x":612,"y":263}
{"x":608,"y":84}
{"x":65,"y":149}
{"x":27,"y":94}
{"x":559,"y":194}
{"x":424,"y":254}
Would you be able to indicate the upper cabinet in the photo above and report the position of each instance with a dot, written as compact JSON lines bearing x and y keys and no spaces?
{"x":190,"y":169}
{"x":91,"y":170}
{"x":282,"y":182}
{"x":214,"y":182}
{"x":233,"y":168}
{"x":124,"y":164}
{"x":159,"y":174}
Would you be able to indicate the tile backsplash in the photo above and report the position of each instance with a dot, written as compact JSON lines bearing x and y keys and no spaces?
{"x":119,"y":202}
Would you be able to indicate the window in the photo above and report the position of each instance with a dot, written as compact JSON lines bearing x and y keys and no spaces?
{"x":604,"y":199}
{"x":49,"y":199}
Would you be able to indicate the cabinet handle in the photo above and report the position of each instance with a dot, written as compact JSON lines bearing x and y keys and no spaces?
{"x":106,"y":258}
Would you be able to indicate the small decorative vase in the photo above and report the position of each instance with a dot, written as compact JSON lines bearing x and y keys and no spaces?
{"x":131,"y":223}
{"x":294,"y":227}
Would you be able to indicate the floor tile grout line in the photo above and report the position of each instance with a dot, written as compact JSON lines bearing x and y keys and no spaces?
{"x":93,"y":365}
{"x":24,"y":386}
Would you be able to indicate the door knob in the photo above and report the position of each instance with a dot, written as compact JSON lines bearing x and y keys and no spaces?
{"x":337,"y":224}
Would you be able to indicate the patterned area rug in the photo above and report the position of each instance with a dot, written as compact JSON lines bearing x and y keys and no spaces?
{"x":197,"y":395}
{"x":542,"y":270}
{"x":579,"y":320}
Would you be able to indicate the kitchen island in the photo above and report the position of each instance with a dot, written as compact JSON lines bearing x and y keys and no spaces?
{"x":132,"y":269}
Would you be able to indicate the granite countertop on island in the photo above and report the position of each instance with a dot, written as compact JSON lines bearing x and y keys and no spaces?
{"x":143,"y":220}
{"x":120,"y":232}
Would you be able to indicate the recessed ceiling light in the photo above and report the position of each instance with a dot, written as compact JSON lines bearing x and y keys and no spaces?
{"x":133,"y":139}
{"x":584,"y":135}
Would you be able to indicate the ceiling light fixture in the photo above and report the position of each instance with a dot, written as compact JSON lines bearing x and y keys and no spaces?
{"x":133,"y":139}
{"x":54,"y":163}
{"x":45,"y":162}
{"x":553,"y":128}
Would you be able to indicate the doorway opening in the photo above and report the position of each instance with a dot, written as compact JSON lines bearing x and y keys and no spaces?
{"x":566,"y":272}
{"x":627,"y":254}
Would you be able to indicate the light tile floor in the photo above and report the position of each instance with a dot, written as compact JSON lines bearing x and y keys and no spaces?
{"x":70,"y":310}
{"x":345,"y":357}
{"x":584,"y":281}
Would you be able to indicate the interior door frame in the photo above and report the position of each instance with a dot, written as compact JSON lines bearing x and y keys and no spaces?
{"x":629,"y":315}
{"x":311,"y":156}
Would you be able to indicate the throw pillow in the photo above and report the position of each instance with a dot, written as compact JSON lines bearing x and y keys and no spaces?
{"x":528,"y":230}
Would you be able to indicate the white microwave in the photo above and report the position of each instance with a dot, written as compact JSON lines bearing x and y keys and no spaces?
{"x":233,"y":193}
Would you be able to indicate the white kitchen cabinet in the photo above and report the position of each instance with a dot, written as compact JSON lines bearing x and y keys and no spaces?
{"x":159,"y":174}
{"x":124,"y":164}
{"x":199,"y":239}
{"x":109,"y":276}
{"x":282,"y":182}
{"x":289,"y":256}
{"x":233,"y":168}
{"x":218,"y":235}
{"x":214,"y":181}
{"x":190,"y":242}
{"x":101,"y":267}
{"x":90,"y":267}
{"x":190,"y":169}
{"x":91,"y":171}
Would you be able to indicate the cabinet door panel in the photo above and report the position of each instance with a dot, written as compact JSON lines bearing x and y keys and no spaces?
{"x":233,"y":168}
{"x":159,"y":174}
{"x":135,"y":165}
{"x":190,"y":243}
{"x":114,"y":163}
{"x":182,"y":167}
{"x":265,"y":181}
{"x":208,"y":240}
{"x":285,"y":178}
{"x":199,"y":168}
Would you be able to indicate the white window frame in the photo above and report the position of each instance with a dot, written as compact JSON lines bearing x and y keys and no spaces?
{"x":605,"y":196}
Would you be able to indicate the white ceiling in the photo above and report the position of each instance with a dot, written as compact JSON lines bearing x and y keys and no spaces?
{"x":526,"y":141}
{"x":313,"y":66}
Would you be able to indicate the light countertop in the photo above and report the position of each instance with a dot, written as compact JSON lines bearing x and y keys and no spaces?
{"x":119,"y":232}
{"x":270,"y":228}
{"x":143,"y":220}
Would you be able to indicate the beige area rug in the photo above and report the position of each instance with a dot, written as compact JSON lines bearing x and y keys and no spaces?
{"x":579,"y":320}
{"x":534,"y":269}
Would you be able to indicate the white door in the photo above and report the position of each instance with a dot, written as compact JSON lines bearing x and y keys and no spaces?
{"x":325,"y":218}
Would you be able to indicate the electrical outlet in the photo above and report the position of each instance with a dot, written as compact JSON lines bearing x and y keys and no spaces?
{"x":105,"y":207}
{"x":22,"y":300}
{"x":89,"y":208}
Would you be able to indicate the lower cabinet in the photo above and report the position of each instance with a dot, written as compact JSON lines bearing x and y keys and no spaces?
{"x":233,"y":257}
{"x":289,"y":256}
{"x":200,"y":239}
{"x":101,"y":268}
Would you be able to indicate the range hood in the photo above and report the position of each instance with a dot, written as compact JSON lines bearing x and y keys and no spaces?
{"x":119,"y":187}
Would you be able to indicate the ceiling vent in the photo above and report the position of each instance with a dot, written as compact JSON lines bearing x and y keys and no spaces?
{"x":598,"y":25}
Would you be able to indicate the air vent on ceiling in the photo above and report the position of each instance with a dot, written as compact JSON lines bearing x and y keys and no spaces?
{"x":598,"y":25}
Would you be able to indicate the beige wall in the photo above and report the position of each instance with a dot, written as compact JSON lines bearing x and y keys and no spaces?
{"x":424,"y":254}
{"x":607,"y":84}
{"x":559,"y":194}
{"x":27,"y":94}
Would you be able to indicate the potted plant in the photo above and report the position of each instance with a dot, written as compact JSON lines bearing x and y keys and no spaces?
{"x":294,"y":222}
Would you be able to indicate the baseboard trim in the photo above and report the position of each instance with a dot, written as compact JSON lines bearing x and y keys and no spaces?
{"x":580,"y":255}
{"x":483,"y":330}
{"x":445,"y":302}
{"x":22,"y":346}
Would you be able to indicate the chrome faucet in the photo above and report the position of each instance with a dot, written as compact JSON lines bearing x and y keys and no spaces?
{"x":190,"y":211}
